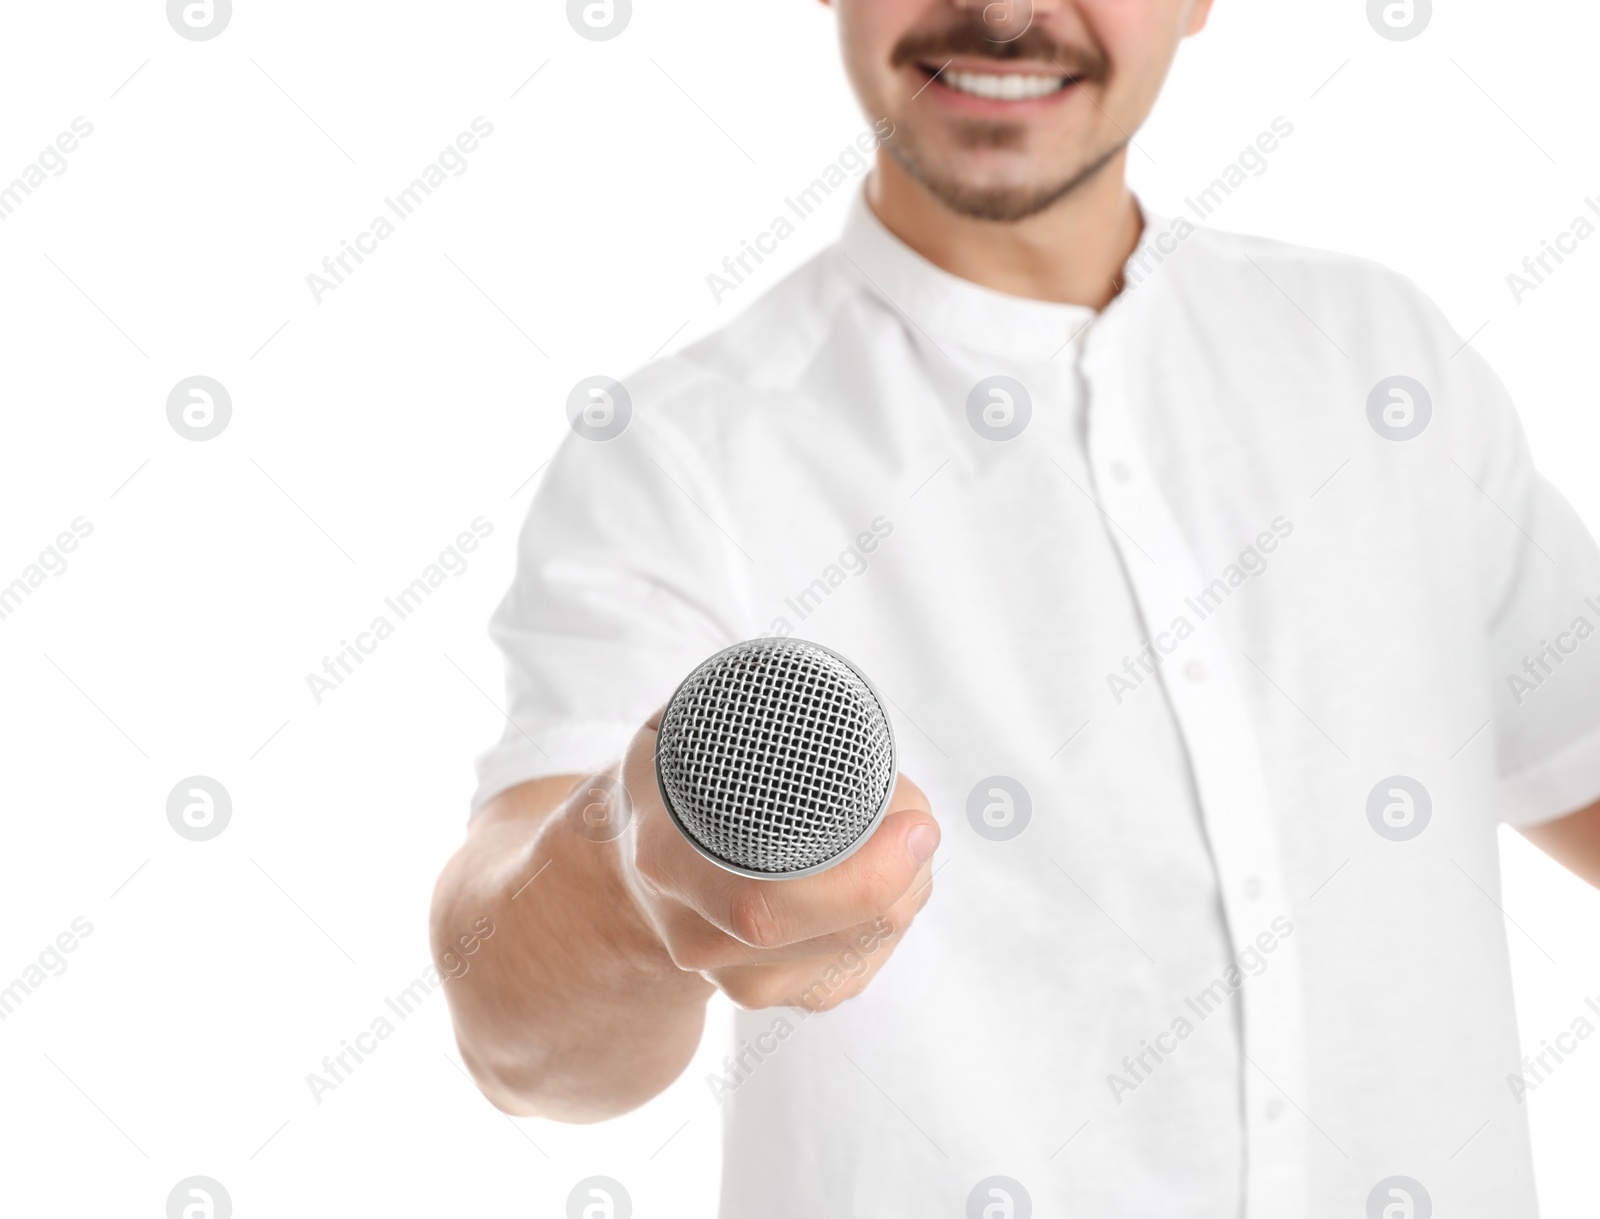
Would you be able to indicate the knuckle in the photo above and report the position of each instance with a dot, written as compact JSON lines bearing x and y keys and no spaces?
{"x":688,"y":956}
{"x":647,"y":865}
{"x":700,"y":950}
{"x":754,"y":989}
{"x":827,"y":1000}
{"x":853,"y":990}
{"x":877,"y":888}
{"x":685,"y":948}
{"x":894,"y":921}
{"x":752,"y":918}
{"x":657,"y":865}
{"x":829,"y":990}
{"x":888,"y":926}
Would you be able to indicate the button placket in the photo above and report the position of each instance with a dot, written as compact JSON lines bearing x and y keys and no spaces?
{"x":1211,"y":715}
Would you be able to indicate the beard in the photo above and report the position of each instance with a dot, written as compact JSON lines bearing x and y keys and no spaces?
{"x":966,"y":35}
{"x":1005,"y":204}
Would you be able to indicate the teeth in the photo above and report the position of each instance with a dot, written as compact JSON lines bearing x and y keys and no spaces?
{"x":1008,"y":87}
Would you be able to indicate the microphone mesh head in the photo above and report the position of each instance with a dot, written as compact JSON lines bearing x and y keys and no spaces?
{"x":775,"y":757}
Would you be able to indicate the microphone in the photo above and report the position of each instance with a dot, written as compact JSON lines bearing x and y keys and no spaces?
{"x":775,"y":758}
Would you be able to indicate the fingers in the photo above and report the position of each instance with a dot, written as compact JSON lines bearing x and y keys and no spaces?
{"x":834,"y":969}
{"x":775,"y":941}
{"x":722,"y":949}
{"x":773,"y":913}
{"x":699,"y":942}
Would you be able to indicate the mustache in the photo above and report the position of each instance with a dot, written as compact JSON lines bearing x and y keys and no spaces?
{"x":969,"y":36}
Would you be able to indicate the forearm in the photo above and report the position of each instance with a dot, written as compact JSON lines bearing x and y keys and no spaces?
{"x":571,"y":1009}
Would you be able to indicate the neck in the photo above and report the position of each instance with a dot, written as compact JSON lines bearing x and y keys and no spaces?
{"x":1072,"y":252}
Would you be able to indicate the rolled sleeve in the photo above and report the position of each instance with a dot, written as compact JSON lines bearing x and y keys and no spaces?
{"x":623,"y":584}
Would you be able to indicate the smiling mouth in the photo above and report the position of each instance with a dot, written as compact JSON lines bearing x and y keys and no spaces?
{"x":1000,"y":86}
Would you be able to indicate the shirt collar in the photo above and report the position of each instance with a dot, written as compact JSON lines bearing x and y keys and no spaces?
{"x":948,"y":310}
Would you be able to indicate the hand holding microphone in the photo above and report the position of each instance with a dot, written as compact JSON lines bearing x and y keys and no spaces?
{"x":755,"y":838}
{"x":774,"y":849}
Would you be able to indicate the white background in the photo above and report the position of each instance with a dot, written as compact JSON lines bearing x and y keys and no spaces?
{"x":368,"y":430}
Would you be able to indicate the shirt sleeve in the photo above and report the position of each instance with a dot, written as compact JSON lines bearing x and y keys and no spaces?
{"x":624,"y":582}
{"x":1541,"y":577}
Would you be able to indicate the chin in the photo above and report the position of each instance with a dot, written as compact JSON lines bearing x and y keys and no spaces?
{"x":982,"y":194}
{"x":983,"y":201}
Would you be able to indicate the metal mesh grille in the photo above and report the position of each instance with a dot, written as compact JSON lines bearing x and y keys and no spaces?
{"x":775,"y":756}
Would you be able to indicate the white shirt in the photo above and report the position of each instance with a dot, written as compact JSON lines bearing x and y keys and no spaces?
{"x":1157,"y":660}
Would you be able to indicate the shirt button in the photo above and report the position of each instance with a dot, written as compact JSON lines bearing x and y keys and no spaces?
{"x":1194,"y":671}
{"x":1120,"y":471}
{"x":1252,"y":887}
{"x":1274,"y":1109}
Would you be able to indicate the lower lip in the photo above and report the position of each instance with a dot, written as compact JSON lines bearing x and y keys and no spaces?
{"x":991,"y":107}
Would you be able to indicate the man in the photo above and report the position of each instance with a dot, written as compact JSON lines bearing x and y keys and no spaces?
{"x":1222,"y":615}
